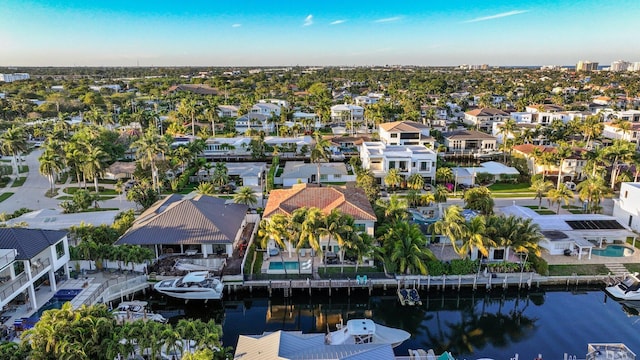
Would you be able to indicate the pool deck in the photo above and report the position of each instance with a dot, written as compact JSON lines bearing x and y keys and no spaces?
{"x":314,"y":261}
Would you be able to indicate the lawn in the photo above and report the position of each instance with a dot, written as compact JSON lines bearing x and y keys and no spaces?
{"x":5,"y":196}
{"x":632,"y":267}
{"x":19,"y":181}
{"x":258,"y":261}
{"x":72,"y":190}
{"x":503,"y":195}
{"x":499,"y":187}
{"x":545,"y":212}
{"x":23,"y":169}
{"x":582,"y":269}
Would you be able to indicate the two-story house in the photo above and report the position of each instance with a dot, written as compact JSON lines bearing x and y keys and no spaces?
{"x":482,"y":119}
{"x":29,"y":258}
{"x":625,"y":208}
{"x":255,"y":121}
{"x":469,"y":141}
{"x":408,"y":159}
{"x":347,"y":112}
{"x":612,"y":130}
{"x":406,"y":133}
{"x":573,"y":167}
{"x":228,"y":111}
{"x":267,"y":109}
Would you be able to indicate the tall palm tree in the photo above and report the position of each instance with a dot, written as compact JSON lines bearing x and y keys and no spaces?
{"x":320,"y":152}
{"x":94,"y":163}
{"x":474,"y":237}
{"x":188,"y":108}
{"x":14,"y":142}
{"x":310,"y":231}
{"x":479,"y":199}
{"x":592,"y":191}
{"x":440,"y":194}
{"x":245,"y":196}
{"x":220,"y":174}
{"x":619,"y":152}
{"x":508,"y":127}
{"x":147,"y":148}
{"x":451,"y":224}
{"x":336,"y":225}
{"x":563,"y":151}
{"x":562,"y":194}
{"x":51,"y":164}
{"x":540,"y":188}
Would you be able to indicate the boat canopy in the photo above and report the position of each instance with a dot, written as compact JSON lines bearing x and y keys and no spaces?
{"x":195,"y":277}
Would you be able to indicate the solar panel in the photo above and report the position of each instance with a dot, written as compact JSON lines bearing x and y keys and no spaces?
{"x":594,"y":224}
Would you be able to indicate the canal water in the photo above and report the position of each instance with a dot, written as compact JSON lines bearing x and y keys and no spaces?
{"x":471,"y":325}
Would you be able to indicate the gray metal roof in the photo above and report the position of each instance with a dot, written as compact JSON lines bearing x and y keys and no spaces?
{"x":200,"y":220}
{"x":29,"y":242}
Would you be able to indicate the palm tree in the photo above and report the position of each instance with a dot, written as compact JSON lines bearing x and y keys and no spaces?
{"x":245,"y":196}
{"x":562,"y":194}
{"x":405,"y":246}
{"x":320,"y":152}
{"x":188,"y":108}
{"x":540,"y":187}
{"x":205,"y":188}
{"x":14,"y":142}
{"x":393,"y":178}
{"x":479,"y":199}
{"x":50,"y":164}
{"x":592,"y":191}
{"x":619,"y":152}
{"x":95,"y":162}
{"x":147,"y":147}
{"x":440,"y":194}
{"x":220,"y":174}
{"x":415,"y":181}
{"x":395,"y":209}
{"x":336,"y":225}
{"x":507,"y":128}
{"x":563,"y":151}
{"x":450,"y":224}
{"x":444,"y":175}
{"x":310,"y":230}
{"x":360,"y":245}
{"x":474,"y":237}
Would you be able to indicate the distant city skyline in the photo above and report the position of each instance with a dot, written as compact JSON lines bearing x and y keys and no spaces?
{"x":284,"y":33}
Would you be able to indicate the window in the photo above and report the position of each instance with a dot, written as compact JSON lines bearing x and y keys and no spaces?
{"x":359,"y":227}
{"x":393,"y":136}
{"x":498,"y":254}
{"x":337,"y":176}
{"x":323,"y":177}
{"x":392,"y":165}
{"x":60,"y":249}
{"x":423,"y":166}
{"x":626,"y":193}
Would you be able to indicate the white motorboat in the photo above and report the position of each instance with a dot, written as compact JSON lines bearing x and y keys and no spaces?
{"x":365,"y":331}
{"x":128,"y":311}
{"x":627,"y":289}
{"x":197,"y":285}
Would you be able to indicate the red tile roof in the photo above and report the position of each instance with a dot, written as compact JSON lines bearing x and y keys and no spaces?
{"x":349,"y":200}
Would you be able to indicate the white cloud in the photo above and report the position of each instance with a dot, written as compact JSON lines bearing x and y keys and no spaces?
{"x":337,"y":22}
{"x":236,"y":25}
{"x":308,"y":20}
{"x":388,"y":20}
{"x":497,"y":16}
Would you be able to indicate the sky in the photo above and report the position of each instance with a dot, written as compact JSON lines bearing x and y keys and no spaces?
{"x":316,"y":32}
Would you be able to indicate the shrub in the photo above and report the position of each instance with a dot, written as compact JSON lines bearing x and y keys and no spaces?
{"x":435,"y":268}
{"x":484,"y":178}
{"x":539,"y":265}
{"x":462,"y":266}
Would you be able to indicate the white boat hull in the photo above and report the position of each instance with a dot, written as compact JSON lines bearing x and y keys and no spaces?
{"x":618,"y":293}
{"x":193,"y":286}
{"x":192,"y":295}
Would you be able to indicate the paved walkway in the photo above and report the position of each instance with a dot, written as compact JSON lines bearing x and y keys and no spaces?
{"x":31,"y":194}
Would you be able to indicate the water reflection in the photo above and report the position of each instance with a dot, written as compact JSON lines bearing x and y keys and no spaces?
{"x":492,"y":325}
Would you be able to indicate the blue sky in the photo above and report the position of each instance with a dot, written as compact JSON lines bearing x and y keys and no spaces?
{"x":319,"y":32}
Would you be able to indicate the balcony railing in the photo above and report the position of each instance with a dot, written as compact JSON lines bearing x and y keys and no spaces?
{"x":10,"y":287}
{"x":7,"y":258}
{"x":39,"y":265}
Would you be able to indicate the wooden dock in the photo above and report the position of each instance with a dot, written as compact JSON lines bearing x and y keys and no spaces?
{"x":424,"y":283}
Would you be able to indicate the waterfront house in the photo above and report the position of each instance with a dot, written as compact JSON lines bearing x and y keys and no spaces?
{"x":574,"y":234}
{"x":625,"y":207}
{"x":612,"y":130}
{"x":294,"y":345}
{"x":28,"y":258}
{"x":408,"y":159}
{"x":469,"y":142}
{"x":175,"y":224}
{"x":348,"y":199}
{"x":406,"y":133}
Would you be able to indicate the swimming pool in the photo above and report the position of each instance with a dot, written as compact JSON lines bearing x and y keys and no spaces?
{"x":289,"y":265}
{"x":613,"y":251}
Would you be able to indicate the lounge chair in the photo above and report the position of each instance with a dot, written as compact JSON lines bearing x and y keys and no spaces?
{"x":303,"y":253}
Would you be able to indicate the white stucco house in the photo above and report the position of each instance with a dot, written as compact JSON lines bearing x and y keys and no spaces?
{"x":626,"y":208}
{"x":347,"y":112}
{"x":409,"y":159}
{"x":406,"y":133}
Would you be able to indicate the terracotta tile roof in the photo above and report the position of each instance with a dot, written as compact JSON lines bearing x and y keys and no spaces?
{"x":527,"y":149}
{"x":487,"y":112}
{"x":350,"y":200}
{"x":403,"y":126}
